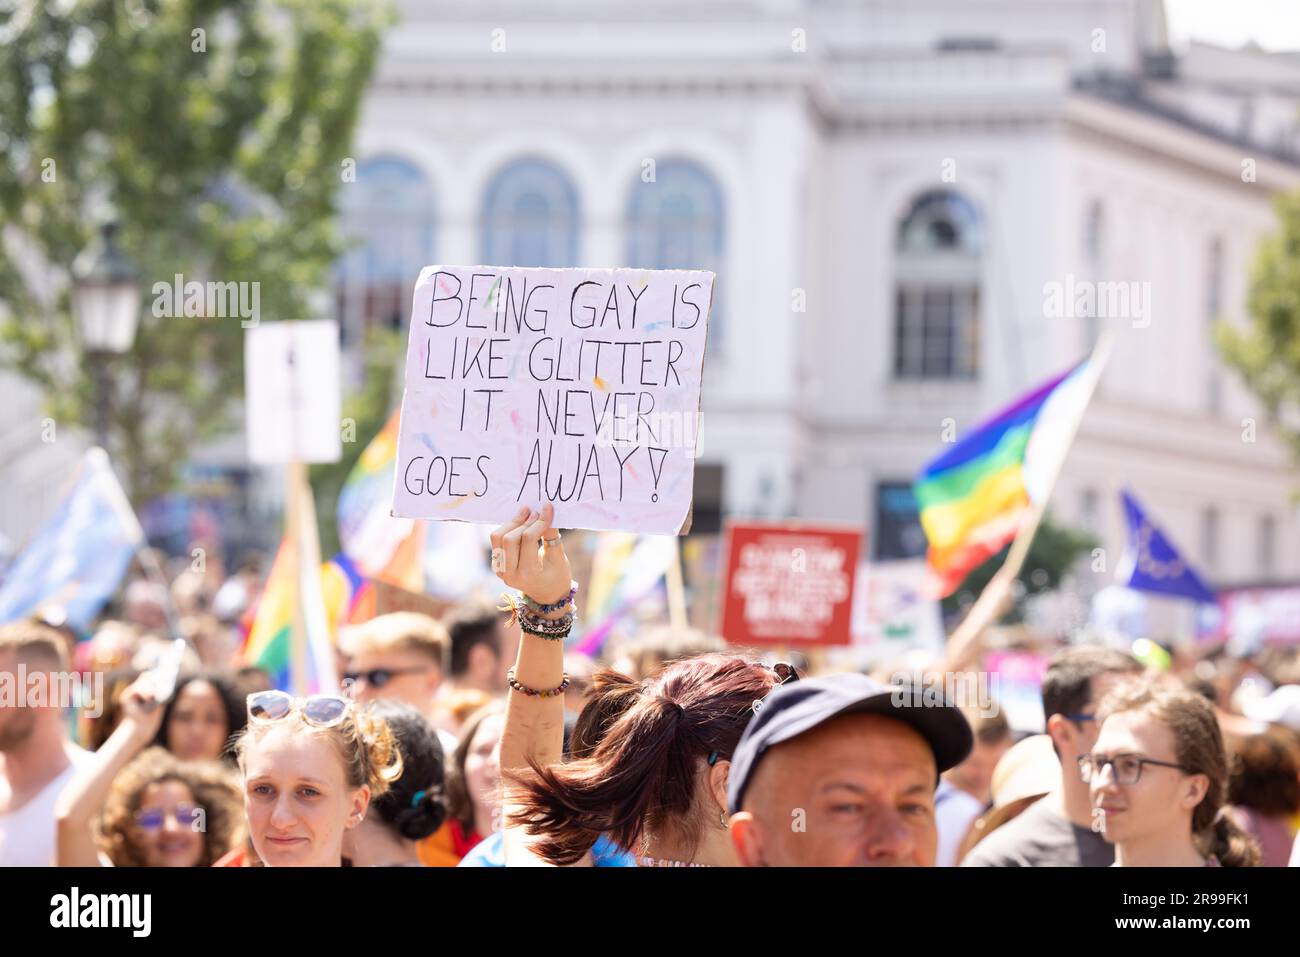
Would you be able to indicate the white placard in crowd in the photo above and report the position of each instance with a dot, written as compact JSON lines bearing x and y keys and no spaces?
{"x":579,"y":387}
{"x":291,"y":392}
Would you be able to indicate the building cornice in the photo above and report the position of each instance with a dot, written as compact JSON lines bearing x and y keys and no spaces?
{"x":1153,"y":136}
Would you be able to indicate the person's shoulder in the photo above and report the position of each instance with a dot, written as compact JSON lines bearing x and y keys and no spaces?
{"x":489,"y":852}
{"x":1007,"y":846}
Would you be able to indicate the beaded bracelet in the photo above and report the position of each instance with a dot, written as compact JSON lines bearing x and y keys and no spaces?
{"x":534,"y":692}
{"x":556,"y":605}
{"x":534,"y":623}
{"x":546,"y":636}
{"x":559,"y":631}
{"x":550,"y":626}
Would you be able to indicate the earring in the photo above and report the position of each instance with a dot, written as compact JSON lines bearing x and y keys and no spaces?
{"x":722,"y":819}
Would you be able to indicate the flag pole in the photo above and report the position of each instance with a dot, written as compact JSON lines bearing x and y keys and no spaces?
{"x":994,"y":600}
{"x":297,"y":477}
{"x":1025,"y":537}
{"x":676,"y":590}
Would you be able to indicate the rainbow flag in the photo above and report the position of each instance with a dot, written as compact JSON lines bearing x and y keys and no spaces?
{"x":342,"y":586}
{"x":973,"y":498}
{"x":369,"y":535}
{"x":444,"y":559}
{"x":269,"y":644}
{"x":626,"y":570}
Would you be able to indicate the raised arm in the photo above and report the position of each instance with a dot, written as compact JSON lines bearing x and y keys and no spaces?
{"x":84,"y":795}
{"x":527,"y":555}
{"x":534,"y":727}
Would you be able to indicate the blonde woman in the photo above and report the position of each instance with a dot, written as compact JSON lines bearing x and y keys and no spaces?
{"x":310,"y":768}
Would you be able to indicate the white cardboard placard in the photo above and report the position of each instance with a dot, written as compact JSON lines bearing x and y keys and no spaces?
{"x":579,"y":387}
{"x":291,"y":392}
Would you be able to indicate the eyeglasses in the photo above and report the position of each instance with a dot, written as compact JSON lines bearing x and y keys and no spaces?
{"x":1127,"y":767}
{"x":378,"y":677}
{"x":786,"y":673}
{"x":320,"y":710}
{"x":153,"y":819}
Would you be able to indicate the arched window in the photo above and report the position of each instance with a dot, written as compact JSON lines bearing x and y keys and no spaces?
{"x":388,"y":221}
{"x":939,"y":246}
{"x":530,"y":216}
{"x":676,"y":221}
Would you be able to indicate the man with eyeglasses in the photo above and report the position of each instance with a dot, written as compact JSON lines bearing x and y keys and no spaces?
{"x":402,"y":657}
{"x":1057,"y":830}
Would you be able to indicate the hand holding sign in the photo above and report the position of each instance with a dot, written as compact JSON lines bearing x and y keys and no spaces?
{"x":527,"y":554}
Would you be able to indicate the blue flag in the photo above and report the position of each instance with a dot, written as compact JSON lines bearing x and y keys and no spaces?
{"x":1151,"y":563}
{"x":77,"y":559}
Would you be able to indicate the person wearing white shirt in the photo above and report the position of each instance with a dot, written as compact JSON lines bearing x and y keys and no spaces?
{"x":37,"y":758}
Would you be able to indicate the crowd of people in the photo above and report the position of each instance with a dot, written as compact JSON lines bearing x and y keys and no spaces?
{"x":478,"y":740}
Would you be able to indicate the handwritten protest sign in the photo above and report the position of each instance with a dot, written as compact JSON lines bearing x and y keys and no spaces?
{"x":789,"y":585}
{"x":579,"y":387}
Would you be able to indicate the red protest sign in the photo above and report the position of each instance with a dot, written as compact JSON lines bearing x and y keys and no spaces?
{"x":789,"y":585}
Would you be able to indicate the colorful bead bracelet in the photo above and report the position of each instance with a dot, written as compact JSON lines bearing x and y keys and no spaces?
{"x":553,"y":606}
{"x":534,"y":692}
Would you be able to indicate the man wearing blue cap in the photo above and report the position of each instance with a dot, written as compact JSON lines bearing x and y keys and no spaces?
{"x":840,"y":771}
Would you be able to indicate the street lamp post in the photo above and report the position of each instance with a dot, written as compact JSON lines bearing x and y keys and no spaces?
{"x":106,"y":302}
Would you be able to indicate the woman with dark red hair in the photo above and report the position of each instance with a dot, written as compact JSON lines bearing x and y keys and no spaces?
{"x":656,"y":782}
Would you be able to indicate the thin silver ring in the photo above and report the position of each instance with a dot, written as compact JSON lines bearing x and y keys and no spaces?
{"x":551,"y":542}
{"x":498,"y":559}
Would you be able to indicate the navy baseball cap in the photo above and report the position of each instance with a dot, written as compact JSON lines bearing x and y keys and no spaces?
{"x":797,"y":707}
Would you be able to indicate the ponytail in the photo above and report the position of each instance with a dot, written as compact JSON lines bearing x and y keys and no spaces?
{"x":612,"y":693}
{"x":1231,"y":845}
{"x":639,"y":748}
{"x":635,"y":769}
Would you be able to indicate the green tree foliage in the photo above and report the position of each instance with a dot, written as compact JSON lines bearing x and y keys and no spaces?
{"x":1267,"y":351}
{"x":216,"y":131}
{"x":364,"y":414}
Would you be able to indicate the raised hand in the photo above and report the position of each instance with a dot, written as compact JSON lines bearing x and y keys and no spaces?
{"x":141,"y":709}
{"x":527,"y":554}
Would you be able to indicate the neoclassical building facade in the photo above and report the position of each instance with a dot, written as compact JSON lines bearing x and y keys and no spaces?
{"x":902,"y":202}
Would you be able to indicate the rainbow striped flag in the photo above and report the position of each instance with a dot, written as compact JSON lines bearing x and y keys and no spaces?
{"x":444,"y":559}
{"x":269,"y":644}
{"x":370,"y":536}
{"x":626,"y":570}
{"x":973,"y":498}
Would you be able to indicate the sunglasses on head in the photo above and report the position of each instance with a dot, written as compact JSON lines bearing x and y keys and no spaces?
{"x":320,"y":710}
{"x":786,"y":673}
{"x":378,"y":677}
{"x":152,"y":819}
